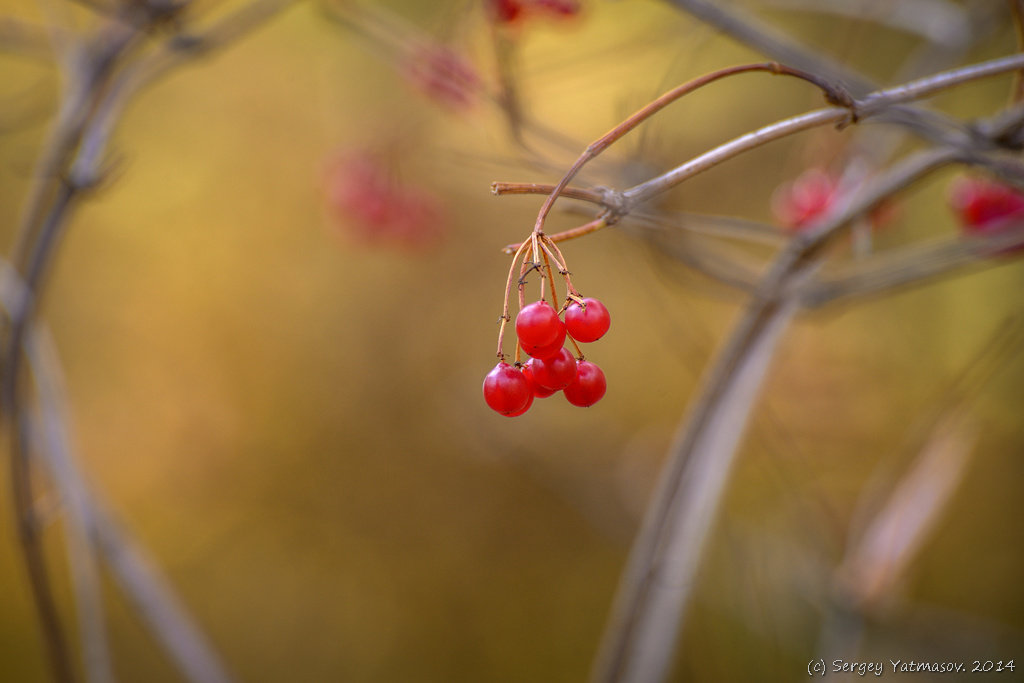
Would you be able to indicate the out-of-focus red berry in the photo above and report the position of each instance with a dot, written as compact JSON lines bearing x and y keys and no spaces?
{"x":513,"y":12}
{"x":375,"y":208}
{"x":805,"y":200}
{"x":504,"y":11}
{"x":444,"y":76}
{"x":557,"y":8}
{"x":984,"y":206}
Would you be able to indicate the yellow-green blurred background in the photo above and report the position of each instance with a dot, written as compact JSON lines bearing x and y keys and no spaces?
{"x":291,"y":420}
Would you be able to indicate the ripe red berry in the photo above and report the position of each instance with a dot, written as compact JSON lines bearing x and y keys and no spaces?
{"x":547,"y":350}
{"x":588,"y":387}
{"x":538,"y":325}
{"x":538,"y":390}
{"x":529,"y":402}
{"x":587,"y":323}
{"x":985,"y":207}
{"x":556,"y":372}
{"x":507,"y":391}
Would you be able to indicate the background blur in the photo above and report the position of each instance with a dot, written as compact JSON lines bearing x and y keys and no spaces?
{"x":289,"y":415}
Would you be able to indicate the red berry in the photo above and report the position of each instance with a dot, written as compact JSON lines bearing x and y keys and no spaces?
{"x":558,"y":8}
{"x":538,"y":325}
{"x":538,"y":390}
{"x":556,"y":372}
{"x":529,"y":402}
{"x":547,"y":350}
{"x":444,"y":76}
{"x":505,"y":11}
{"x":588,"y":387}
{"x":984,"y":206}
{"x":805,"y":200}
{"x":373,"y":207}
{"x":506,"y":390}
{"x":587,"y":323}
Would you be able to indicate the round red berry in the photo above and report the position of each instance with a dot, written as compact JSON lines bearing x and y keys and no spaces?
{"x":589,"y":322}
{"x":806,"y":199}
{"x":556,"y":372}
{"x":588,"y":387}
{"x":984,"y":206}
{"x":506,"y":390}
{"x":529,"y":402}
{"x":547,"y":350}
{"x":538,"y":325}
{"x":538,"y":390}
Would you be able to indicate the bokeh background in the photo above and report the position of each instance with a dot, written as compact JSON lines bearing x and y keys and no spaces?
{"x":289,"y":416}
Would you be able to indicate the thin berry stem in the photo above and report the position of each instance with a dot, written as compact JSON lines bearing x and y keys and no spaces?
{"x":505,"y":314}
{"x":551,"y":279}
{"x":572,"y":233}
{"x":563,"y":265}
{"x":579,"y":353}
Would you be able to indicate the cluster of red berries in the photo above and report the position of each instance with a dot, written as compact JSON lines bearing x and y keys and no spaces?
{"x":510,"y":390}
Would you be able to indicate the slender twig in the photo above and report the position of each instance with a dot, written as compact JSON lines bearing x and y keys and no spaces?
{"x":578,"y":231}
{"x":592,"y":196}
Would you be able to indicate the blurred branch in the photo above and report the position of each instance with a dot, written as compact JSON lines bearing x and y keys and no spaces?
{"x":132,"y":570}
{"x":48,"y":201}
{"x":648,"y":614}
{"x":94,"y":531}
{"x":879,"y":558}
{"x":771,"y":42}
{"x":937,"y":21}
{"x":915,"y":264}
{"x":97,"y":85}
{"x":869,"y":576}
{"x":860,"y":109}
